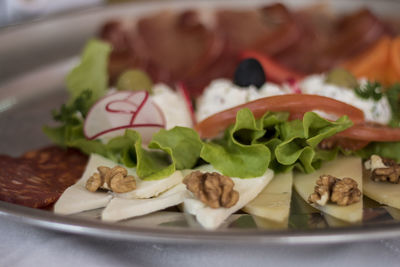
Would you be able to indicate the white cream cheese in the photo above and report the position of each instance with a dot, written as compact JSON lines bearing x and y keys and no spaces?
{"x":173,"y":106}
{"x":222,"y":94}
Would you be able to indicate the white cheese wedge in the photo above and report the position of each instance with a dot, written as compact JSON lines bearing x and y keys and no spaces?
{"x":211,"y":218}
{"x":383,"y":192}
{"x":341,"y":167}
{"x":77,"y":199}
{"x":148,"y":189}
{"x":120,"y":209}
{"x":273,"y":203}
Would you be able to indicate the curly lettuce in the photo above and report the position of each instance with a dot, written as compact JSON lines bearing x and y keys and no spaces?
{"x":250,"y":146}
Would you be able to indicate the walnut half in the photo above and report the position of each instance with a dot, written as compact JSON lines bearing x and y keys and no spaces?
{"x":213,"y":189}
{"x":116,"y":179}
{"x":383,"y":170}
{"x":340,"y":191}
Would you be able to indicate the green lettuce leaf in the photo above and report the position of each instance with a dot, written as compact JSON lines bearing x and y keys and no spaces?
{"x":251,"y":146}
{"x":235,"y":155}
{"x":392,"y":95}
{"x":91,"y":74}
{"x":300,"y":140}
{"x":182,"y":144}
{"x":384,"y":149}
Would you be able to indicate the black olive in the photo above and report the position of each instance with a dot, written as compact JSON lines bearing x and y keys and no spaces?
{"x":249,"y":72}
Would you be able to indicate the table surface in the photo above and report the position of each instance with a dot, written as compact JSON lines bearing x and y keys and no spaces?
{"x":24,"y":245}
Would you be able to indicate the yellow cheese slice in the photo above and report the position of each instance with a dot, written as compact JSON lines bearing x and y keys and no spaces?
{"x":333,"y":222}
{"x":263,"y":223}
{"x":395,"y":213}
{"x":341,"y":167}
{"x":273,"y":203}
{"x":382,"y":192}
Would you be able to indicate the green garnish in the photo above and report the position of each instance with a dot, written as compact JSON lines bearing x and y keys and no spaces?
{"x":86,"y":83}
{"x":91,"y":74}
{"x":370,"y":90}
{"x":392,"y":95}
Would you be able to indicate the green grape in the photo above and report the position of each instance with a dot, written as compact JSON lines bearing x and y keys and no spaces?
{"x":134,"y":80}
{"x":342,"y":78}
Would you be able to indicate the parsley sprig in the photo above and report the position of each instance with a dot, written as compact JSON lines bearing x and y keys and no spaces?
{"x":370,"y":90}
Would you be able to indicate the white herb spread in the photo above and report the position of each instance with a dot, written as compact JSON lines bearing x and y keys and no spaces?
{"x":172,"y":105}
{"x":374,"y":111}
{"x":222,"y":94}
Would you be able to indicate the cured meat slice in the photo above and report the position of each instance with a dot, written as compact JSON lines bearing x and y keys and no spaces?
{"x":270,"y":29}
{"x":61,"y":167}
{"x":19,"y":184}
{"x":38,"y":178}
{"x":178,"y":43}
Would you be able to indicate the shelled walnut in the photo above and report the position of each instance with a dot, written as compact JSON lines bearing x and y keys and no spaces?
{"x":340,"y":191}
{"x":213,"y":189}
{"x":383,"y":170}
{"x":116,"y":179}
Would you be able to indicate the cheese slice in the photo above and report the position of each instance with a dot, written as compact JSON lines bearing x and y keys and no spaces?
{"x":148,"y":189}
{"x":211,"y":218}
{"x":382,"y":192}
{"x":120,"y":208}
{"x":77,"y":199}
{"x":263,"y":223}
{"x":273,"y":203}
{"x":395,"y":213}
{"x":334,"y":222}
{"x":341,"y":167}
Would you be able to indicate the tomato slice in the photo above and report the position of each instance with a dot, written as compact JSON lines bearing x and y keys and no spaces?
{"x":371,"y":133}
{"x":296,"y":104}
{"x":273,"y":70}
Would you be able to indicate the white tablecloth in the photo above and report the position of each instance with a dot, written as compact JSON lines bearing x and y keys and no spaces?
{"x":22,"y":245}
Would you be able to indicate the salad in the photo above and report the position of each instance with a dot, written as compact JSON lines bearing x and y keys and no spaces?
{"x":253,"y":139}
{"x":247,"y":140}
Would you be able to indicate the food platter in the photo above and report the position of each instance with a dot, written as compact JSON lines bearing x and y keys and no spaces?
{"x":27,"y":99}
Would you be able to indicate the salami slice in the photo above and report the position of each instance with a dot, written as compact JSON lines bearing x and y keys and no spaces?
{"x":39,"y":177}
{"x":60,"y":167}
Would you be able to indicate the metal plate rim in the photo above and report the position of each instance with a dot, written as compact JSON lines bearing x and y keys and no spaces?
{"x":48,"y":220}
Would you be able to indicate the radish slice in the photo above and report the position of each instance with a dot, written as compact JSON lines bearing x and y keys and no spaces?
{"x":115,"y":113}
{"x":184,"y":93}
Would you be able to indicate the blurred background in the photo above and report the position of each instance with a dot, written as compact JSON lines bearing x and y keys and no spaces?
{"x":17,"y":11}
